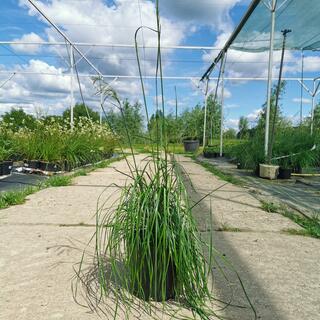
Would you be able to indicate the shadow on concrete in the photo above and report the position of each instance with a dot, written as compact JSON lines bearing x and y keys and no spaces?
{"x":234,"y":292}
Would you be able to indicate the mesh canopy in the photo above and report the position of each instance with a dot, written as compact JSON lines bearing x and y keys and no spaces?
{"x":301,"y":16}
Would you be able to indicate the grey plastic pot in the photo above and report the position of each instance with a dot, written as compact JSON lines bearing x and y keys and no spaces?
{"x":191,"y":145}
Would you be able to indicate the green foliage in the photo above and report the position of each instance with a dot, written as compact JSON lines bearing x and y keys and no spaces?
{"x":192,"y":123}
{"x":230,"y":134}
{"x":58,"y":181}
{"x":17,"y":119}
{"x":12,"y":198}
{"x":311,"y":225}
{"x":243,"y":128}
{"x":81,"y":111}
{"x":269,"y":207}
{"x":133,"y":125}
{"x":53,"y":141}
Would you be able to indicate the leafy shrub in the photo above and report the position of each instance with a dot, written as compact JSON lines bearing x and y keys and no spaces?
{"x":53,"y":141}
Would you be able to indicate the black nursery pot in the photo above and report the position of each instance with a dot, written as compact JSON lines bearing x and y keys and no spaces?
{"x":208,"y":154}
{"x":191,"y":145}
{"x":284,"y":173}
{"x":67,"y":166}
{"x":33,"y":164}
{"x":240,"y":165}
{"x":50,"y":166}
{"x":152,"y":289}
{"x":6,"y":167}
{"x":256,"y":171}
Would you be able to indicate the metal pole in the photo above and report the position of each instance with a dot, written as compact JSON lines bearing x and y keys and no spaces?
{"x":313,"y":105}
{"x":222,"y":103}
{"x":71,"y":87}
{"x":205,"y":114}
{"x":6,"y":81}
{"x":101,"y":106}
{"x":302,"y":75}
{"x":273,"y":20}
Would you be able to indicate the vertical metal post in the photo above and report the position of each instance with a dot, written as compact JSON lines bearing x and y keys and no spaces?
{"x":205,"y":113}
{"x":313,"y":104}
{"x":71,"y":87}
{"x":101,"y":106}
{"x":302,"y":78}
{"x":222,"y":103}
{"x":273,"y":21}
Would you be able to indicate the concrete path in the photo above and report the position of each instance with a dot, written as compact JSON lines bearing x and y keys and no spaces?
{"x":301,"y":194}
{"x":281,"y":272}
{"x":41,"y":241}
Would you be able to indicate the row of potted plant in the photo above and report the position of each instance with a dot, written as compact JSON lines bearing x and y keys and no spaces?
{"x":293,"y":150}
{"x":54,"y":146}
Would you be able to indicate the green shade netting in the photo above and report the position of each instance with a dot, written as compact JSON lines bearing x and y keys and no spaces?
{"x":301,"y":16}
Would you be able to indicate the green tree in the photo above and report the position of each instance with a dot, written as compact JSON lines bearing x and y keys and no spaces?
{"x":127,"y":121}
{"x":81,"y":111}
{"x":18,"y":118}
{"x":213,"y":118}
{"x":279,"y":119}
{"x":316,"y":119}
{"x":243,"y":128}
{"x":230,"y":134}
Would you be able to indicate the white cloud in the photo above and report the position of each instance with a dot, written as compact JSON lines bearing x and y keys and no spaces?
{"x":203,"y":12}
{"x":253,"y":116}
{"x":232,"y":123}
{"x":304,"y":100}
{"x":25,"y":48}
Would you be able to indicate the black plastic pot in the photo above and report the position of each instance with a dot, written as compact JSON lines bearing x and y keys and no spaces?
{"x":240,"y":165}
{"x":50,"y":166}
{"x":32,"y":164}
{"x":154,"y":292}
{"x":6,"y":167}
{"x":147,"y":290}
{"x":256,"y":171}
{"x":284,"y":173}
{"x":297,"y":169}
{"x":67,"y":166}
{"x":208,"y":154}
{"x":191,"y":145}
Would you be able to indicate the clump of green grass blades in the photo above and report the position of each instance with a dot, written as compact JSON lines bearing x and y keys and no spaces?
{"x":149,"y":258}
{"x":58,"y":181}
{"x":11,"y":198}
{"x":153,"y":234}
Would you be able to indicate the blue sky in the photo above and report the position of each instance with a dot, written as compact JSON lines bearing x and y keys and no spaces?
{"x":207,"y":23}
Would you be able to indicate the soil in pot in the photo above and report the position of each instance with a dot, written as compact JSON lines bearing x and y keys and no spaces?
{"x":191,"y":145}
{"x":284,"y":173}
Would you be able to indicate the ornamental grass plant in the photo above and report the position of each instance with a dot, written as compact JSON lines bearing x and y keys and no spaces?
{"x":149,"y":259}
{"x":55,"y":142}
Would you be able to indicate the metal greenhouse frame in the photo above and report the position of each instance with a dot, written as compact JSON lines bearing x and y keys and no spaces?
{"x":258,"y":32}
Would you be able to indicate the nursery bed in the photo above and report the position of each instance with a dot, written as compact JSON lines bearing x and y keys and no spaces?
{"x":300,"y":193}
{"x":18,"y":181}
